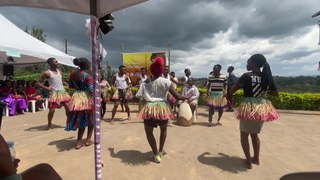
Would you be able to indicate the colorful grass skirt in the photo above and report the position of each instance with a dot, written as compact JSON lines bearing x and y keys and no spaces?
{"x":57,"y":97}
{"x":80,"y":111}
{"x":216,"y":100}
{"x":159,"y":110}
{"x":256,"y":109}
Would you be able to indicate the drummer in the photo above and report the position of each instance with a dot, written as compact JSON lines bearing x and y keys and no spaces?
{"x":190,"y":87}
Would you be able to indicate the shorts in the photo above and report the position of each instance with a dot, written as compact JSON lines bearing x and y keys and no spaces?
{"x":122,"y":95}
{"x":155,"y":122}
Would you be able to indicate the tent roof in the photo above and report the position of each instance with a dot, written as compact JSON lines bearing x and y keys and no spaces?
{"x":24,"y":48}
{"x":79,"y":6}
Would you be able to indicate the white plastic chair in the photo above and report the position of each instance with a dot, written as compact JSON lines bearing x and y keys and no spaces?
{"x":7,"y":111}
{"x":33,"y":105}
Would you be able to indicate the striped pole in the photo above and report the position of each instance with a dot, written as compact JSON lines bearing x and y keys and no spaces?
{"x":96,"y":96}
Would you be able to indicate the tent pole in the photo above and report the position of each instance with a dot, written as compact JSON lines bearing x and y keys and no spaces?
{"x":96,"y":95}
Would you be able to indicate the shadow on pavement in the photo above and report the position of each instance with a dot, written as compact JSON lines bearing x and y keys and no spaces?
{"x":131,"y":157}
{"x":114,"y":120}
{"x":131,"y":122}
{"x":203,"y":114}
{"x":43,"y":127}
{"x":224,"y":162}
{"x":64,"y":144}
{"x":201,"y":124}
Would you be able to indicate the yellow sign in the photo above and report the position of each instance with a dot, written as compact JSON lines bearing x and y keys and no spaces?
{"x":135,"y":61}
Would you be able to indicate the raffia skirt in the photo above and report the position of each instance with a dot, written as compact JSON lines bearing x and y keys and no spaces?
{"x":58,"y":96}
{"x":159,"y":110}
{"x":216,"y":100}
{"x":80,"y":111}
{"x":253,"y":112}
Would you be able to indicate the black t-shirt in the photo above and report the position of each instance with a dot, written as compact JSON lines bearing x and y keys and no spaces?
{"x":251,"y":84}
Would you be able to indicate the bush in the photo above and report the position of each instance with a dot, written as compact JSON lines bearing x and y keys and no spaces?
{"x":289,"y":101}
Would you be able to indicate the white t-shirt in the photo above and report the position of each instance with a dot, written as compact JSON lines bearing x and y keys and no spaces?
{"x":155,"y":90}
{"x":186,"y":90}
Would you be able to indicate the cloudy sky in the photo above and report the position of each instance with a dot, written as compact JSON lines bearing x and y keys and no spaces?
{"x":202,"y":33}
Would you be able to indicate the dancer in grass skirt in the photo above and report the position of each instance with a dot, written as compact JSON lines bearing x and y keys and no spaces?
{"x":216,"y":97}
{"x":57,"y":94}
{"x":254,"y":110}
{"x":157,"y":111}
{"x":81,"y":103}
{"x":123,"y":91}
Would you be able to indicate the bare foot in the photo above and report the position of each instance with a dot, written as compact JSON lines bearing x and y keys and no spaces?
{"x":248,"y":164}
{"x":88,"y":143}
{"x":255,"y":161}
{"x":49,"y":127}
{"x":129,"y":118}
{"x":79,"y":145}
{"x":111,"y":122}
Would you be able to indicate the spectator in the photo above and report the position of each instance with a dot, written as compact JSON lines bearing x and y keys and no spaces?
{"x":232,"y":79}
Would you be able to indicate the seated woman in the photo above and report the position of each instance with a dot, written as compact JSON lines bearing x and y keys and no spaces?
{"x":20,"y":97}
{"x":33,"y":94}
{"x":6,"y":94}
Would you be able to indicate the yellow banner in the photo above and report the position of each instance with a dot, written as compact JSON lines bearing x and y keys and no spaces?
{"x":135,"y":61}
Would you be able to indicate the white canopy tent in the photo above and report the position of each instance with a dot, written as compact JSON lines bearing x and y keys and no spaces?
{"x":24,"y":48}
{"x":96,"y":9}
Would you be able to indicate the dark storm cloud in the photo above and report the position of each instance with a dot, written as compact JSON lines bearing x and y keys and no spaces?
{"x":275,"y":18}
{"x":180,"y":22}
{"x":189,"y":25}
{"x":290,"y":55}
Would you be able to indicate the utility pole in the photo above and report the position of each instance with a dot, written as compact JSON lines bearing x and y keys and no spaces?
{"x":66,"y":46}
{"x":122,"y":47}
{"x":169,"y":60}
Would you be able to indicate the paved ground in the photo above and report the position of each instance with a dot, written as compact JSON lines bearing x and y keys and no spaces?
{"x":290,"y":144}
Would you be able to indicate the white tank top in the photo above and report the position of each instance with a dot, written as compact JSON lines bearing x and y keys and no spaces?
{"x":166,"y":77}
{"x":55,"y":80}
{"x":142,"y":79}
{"x":121,"y":82}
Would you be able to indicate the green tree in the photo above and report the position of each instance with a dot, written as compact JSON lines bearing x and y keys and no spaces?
{"x":37,"y":33}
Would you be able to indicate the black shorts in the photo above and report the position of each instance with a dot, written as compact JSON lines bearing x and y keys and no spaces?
{"x":122,"y":95}
{"x":154,"y":122}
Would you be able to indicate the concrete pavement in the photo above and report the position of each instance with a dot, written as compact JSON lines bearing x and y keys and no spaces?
{"x":290,"y":144}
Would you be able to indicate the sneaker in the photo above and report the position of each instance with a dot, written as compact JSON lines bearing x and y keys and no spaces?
{"x":157,"y":158}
